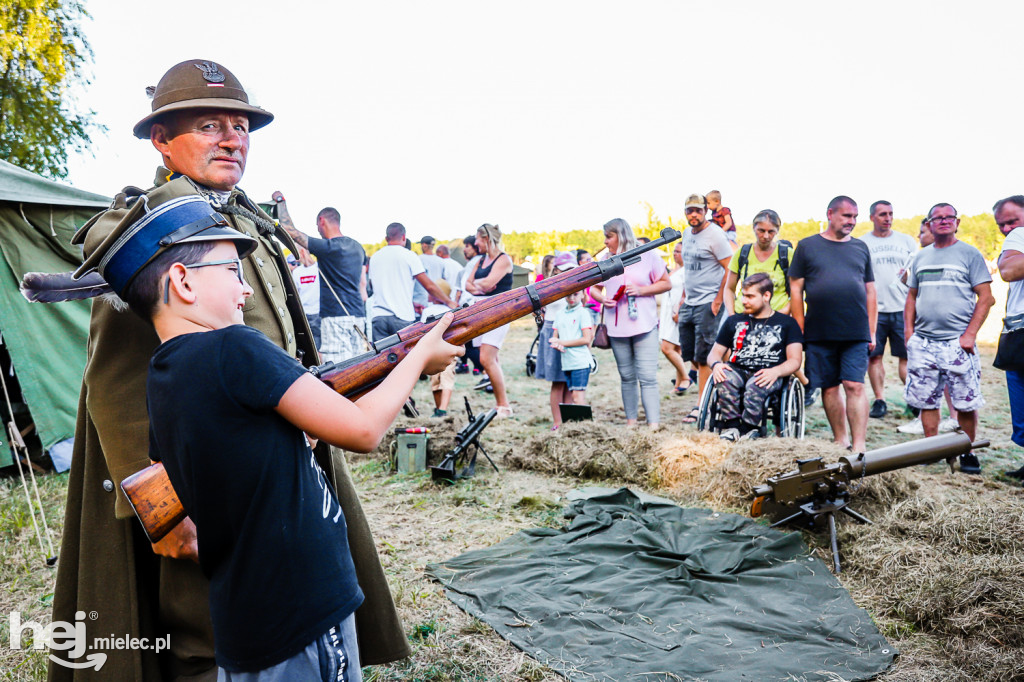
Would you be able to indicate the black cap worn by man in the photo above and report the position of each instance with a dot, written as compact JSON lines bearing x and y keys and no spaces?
{"x":136,"y":589}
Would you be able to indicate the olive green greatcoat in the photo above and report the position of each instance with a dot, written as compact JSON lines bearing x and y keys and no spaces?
{"x":107,"y":568}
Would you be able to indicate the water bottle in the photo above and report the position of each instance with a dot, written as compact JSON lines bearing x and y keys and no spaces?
{"x":631,"y":307}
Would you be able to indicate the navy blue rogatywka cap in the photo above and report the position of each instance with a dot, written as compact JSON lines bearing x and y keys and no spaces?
{"x":186,"y":219}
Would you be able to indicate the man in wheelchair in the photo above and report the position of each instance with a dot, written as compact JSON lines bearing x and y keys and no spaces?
{"x":754,"y":352}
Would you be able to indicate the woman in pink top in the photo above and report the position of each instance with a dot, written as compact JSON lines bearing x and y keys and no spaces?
{"x":631,"y":314}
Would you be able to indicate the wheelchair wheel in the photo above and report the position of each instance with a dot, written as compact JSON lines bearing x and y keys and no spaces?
{"x":793,"y":410}
{"x":707,"y":419}
{"x":531,"y":357}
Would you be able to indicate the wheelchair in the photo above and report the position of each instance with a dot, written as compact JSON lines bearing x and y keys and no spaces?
{"x":784,"y":410}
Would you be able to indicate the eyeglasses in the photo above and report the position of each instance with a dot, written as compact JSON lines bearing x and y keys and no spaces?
{"x":942,"y":219}
{"x":237,"y":262}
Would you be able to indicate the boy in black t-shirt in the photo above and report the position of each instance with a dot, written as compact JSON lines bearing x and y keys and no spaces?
{"x":230,"y":413}
{"x":754,"y":351}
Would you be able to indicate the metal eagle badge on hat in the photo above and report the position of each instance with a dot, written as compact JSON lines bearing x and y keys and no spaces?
{"x":211,"y":73}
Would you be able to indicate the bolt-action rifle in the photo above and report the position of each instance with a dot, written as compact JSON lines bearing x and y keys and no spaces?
{"x":150,"y":491}
{"x":810,"y":495}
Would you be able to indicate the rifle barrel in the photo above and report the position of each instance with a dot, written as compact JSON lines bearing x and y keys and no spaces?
{"x":911,"y":453}
{"x":360,"y":374}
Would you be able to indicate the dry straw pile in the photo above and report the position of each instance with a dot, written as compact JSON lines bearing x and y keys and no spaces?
{"x":941,"y":570}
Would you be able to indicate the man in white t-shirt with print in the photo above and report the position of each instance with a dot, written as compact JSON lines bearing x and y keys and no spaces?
{"x":392,"y":272}
{"x":890,"y":253}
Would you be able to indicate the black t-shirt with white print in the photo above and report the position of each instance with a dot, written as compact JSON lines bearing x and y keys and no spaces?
{"x":754,"y":344}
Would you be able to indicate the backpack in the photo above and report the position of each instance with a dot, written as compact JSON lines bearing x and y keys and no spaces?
{"x":782,"y":263}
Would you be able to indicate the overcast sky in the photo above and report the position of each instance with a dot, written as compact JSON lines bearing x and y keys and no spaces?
{"x":561,"y":115}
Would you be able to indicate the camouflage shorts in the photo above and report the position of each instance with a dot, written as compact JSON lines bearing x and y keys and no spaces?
{"x":933,"y":365}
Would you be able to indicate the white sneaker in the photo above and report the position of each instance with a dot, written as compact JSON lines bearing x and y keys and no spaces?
{"x":948,"y":425}
{"x":730,"y":434}
{"x":914,"y":428}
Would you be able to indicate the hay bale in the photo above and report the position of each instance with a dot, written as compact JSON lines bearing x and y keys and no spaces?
{"x":947,"y":563}
{"x":682,"y":460}
{"x":589,"y":450}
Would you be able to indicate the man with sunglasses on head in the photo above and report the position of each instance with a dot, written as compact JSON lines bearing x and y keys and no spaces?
{"x":200,"y":123}
{"x":950,"y":296}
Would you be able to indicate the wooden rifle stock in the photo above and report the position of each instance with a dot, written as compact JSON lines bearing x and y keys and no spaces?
{"x":150,"y":491}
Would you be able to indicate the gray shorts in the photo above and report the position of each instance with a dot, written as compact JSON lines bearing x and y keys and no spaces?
{"x":331,"y":657}
{"x":698,"y":329}
{"x":933,"y":365}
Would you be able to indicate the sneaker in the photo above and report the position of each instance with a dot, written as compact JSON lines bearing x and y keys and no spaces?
{"x":878,"y":409}
{"x":482,"y":384}
{"x":730,"y":435}
{"x":504,"y":412}
{"x":476,"y":372}
{"x":693,"y":376}
{"x":914,"y":428}
{"x":439,"y":412}
{"x":751,"y":434}
{"x":462,"y":369}
{"x":1018,"y":474}
{"x":969,"y":464}
{"x":811,"y":396}
{"x":948,"y":425}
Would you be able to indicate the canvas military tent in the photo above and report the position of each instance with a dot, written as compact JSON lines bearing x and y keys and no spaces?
{"x":45,"y":342}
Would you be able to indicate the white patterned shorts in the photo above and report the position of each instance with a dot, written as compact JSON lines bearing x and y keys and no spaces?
{"x":339,"y":339}
{"x":933,"y":365}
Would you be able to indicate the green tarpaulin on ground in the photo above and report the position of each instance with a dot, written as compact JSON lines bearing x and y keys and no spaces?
{"x":46,"y":341}
{"x":637,"y":589}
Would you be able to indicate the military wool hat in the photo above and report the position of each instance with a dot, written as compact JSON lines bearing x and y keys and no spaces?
{"x":200,"y":84}
{"x":145,"y":233}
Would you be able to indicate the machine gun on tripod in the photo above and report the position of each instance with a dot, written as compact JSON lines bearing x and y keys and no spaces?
{"x":810,"y":496}
{"x":467,"y":437}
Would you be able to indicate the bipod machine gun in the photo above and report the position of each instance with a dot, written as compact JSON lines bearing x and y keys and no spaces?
{"x":468,"y":436}
{"x":810,"y":495}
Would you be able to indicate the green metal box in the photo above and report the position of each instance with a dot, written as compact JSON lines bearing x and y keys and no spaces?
{"x":411,"y":452}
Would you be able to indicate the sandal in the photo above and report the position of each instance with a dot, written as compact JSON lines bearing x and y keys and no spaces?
{"x":692,"y":417}
{"x":679,"y":390}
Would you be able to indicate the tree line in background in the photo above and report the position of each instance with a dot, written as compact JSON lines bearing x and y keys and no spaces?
{"x":979,"y":231}
{"x":43,"y":53}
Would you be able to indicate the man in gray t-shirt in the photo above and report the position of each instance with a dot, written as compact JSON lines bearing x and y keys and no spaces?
{"x":950,"y":296}
{"x":706,"y":256}
{"x":890,"y":252}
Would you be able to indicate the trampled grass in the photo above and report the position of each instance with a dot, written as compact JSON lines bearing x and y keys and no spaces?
{"x":417,"y":522}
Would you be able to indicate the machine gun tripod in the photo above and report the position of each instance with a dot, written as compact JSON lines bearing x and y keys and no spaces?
{"x":468,"y":436}
{"x":811,"y":495}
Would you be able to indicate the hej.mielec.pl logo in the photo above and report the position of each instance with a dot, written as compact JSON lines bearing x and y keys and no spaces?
{"x":71,"y":638}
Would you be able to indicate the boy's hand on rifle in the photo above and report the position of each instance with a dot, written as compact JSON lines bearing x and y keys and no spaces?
{"x":439,"y":352}
{"x":180,"y":542}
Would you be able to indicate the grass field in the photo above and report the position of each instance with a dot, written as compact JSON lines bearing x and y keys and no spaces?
{"x":417,"y":522}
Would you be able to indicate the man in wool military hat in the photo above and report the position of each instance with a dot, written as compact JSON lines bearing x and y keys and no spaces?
{"x":200,"y":124}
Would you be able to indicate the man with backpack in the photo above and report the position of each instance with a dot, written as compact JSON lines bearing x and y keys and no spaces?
{"x":768,"y":255}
